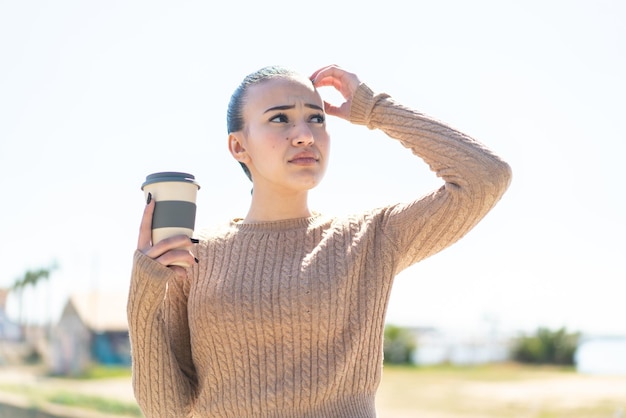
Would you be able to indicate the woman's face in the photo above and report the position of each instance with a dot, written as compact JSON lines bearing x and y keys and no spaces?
{"x":284,"y":142}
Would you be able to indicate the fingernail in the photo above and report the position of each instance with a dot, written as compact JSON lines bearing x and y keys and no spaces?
{"x":149,"y":199}
{"x":194,"y":240}
{"x":197,"y":261}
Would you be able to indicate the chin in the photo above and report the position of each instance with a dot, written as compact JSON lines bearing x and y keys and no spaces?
{"x":314,"y":183}
{"x":309,"y":183}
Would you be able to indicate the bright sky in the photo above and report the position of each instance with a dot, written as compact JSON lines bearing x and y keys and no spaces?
{"x":96,"y":95}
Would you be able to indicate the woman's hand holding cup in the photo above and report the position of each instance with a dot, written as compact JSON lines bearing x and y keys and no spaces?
{"x":168,"y":220}
{"x":173,"y":252}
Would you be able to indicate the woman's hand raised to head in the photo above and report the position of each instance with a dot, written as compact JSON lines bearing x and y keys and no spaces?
{"x":343,"y":81}
{"x":173,"y":252}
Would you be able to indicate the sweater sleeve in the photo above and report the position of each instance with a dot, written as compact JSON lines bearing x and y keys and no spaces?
{"x":474,"y":178}
{"x":164,"y":378}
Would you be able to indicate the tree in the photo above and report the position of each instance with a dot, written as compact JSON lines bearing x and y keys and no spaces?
{"x":546,"y":347}
{"x":399,"y":344}
{"x":30,"y":278}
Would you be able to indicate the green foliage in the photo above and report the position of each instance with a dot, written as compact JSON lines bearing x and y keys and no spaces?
{"x":99,"y":371}
{"x":399,"y":344}
{"x":33,"y":277}
{"x":97,"y":403}
{"x":30,"y":278}
{"x":38,"y":396}
{"x":546,"y":347}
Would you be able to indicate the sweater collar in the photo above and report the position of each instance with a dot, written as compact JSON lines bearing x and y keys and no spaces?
{"x":279,"y":226}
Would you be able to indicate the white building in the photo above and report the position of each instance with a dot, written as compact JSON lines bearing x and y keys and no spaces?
{"x":92,"y":329}
{"x":439,"y":347}
{"x":9,"y":330}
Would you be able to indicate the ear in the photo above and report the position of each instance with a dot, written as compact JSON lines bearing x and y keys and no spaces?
{"x":236,"y":147}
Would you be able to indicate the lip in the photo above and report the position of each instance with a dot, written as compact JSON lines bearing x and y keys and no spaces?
{"x":304,"y":158}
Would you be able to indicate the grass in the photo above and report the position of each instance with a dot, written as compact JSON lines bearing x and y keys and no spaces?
{"x":490,"y":391}
{"x":38,"y":398}
{"x":109,"y":406}
{"x":102,"y":372}
{"x":486,"y":391}
{"x":487,"y":372}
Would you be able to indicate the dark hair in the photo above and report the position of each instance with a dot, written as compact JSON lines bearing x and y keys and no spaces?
{"x":234,"y":115}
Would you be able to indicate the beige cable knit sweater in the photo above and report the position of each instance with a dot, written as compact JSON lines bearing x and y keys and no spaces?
{"x":285,"y":319}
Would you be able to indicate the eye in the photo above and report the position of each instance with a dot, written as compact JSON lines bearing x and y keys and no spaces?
{"x":279,"y":118}
{"x":318,"y":118}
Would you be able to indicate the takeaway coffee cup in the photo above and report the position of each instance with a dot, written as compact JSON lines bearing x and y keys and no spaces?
{"x":175,"y":209}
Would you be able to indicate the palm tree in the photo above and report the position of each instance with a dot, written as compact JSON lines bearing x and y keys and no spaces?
{"x":30,"y":278}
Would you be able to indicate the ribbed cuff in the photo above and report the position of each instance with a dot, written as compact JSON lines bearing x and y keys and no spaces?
{"x":148,"y":283}
{"x":362,"y":104}
{"x":145,"y":266}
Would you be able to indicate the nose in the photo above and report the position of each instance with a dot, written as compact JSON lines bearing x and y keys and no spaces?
{"x":302,"y":135}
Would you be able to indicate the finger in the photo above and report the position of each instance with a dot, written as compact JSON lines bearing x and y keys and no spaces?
{"x":175,"y":258}
{"x":145,"y":229}
{"x":324,"y":79}
{"x":346,"y":85}
{"x":324,"y":71}
{"x":176,"y":242}
{"x":330,"y":109}
{"x":342,"y":111}
{"x":333,"y":76}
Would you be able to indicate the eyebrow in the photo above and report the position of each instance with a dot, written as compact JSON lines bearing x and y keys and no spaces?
{"x":287,"y":107}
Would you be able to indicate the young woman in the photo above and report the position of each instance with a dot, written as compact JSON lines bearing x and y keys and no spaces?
{"x":281,"y":313}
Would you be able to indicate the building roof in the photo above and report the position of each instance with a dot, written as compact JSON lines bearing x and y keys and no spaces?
{"x":101,"y":311}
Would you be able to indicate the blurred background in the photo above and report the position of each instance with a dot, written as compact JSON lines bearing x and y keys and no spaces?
{"x":96,"y":95}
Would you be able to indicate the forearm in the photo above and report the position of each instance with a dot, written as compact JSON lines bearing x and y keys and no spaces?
{"x":455,"y":157}
{"x":475,"y":178}
{"x":160,"y":386}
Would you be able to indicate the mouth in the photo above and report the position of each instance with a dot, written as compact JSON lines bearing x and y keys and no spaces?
{"x":304,"y":159}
